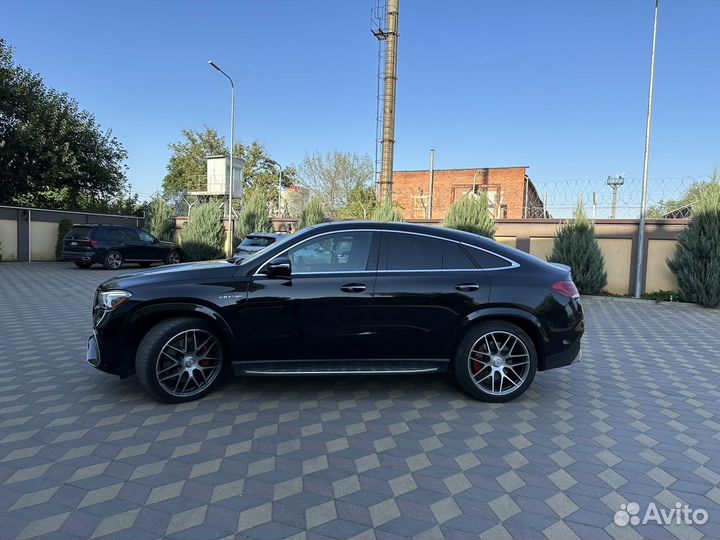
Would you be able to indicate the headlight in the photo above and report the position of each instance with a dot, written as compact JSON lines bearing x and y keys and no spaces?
{"x":112,"y":299}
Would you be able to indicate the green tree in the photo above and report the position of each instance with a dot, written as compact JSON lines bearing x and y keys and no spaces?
{"x":386,"y":212}
{"x":255,"y":214}
{"x":63,"y":228}
{"x":696,"y":263}
{"x":52,"y":153}
{"x":471,"y":214}
{"x":576,"y":246}
{"x":333,"y":176}
{"x":204,"y":235}
{"x":682,"y":207}
{"x":313,"y":213}
{"x":187,"y":168}
{"x":361,"y":203}
{"x":159,"y":216}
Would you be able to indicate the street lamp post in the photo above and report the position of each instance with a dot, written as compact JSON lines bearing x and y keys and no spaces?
{"x":615,"y":182}
{"x":231,"y":223}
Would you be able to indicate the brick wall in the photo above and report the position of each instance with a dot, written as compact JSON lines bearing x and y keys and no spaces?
{"x":507,"y":185}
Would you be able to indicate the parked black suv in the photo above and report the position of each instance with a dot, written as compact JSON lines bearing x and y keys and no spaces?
{"x":112,"y":245}
{"x":344,"y":298}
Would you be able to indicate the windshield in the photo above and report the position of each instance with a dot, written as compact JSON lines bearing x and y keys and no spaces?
{"x":256,"y":241}
{"x":260,"y":253}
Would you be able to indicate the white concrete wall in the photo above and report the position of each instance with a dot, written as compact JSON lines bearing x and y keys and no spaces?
{"x":8,"y":239}
{"x":43,"y":240}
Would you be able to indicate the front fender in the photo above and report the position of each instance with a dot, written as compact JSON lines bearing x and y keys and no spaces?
{"x":164,"y":309}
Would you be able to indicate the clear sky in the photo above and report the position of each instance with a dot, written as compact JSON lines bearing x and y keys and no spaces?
{"x":558,"y":85}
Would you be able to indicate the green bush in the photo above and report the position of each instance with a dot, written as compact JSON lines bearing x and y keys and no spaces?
{"x":63,"y":228}
{"x":576,"y":246}
{"x":204,"y":236}
{"x":471,"y":214}
{"x":254,"y":216}
{"x":313,"y":213}
{"x":160,"y":218}
{"x":387,"y":212}
{"x":696,"y":263}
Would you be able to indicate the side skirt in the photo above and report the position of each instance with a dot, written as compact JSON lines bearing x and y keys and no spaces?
{"x":340,"y":367}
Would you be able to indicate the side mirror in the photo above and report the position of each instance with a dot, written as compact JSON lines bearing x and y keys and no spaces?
{"x":279,"y":268}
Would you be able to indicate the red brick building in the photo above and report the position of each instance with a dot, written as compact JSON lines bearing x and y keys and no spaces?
{"x":509,"y":190}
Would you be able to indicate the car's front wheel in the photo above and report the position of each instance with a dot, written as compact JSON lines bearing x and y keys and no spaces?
{"x":180,"y":359}
{"x":496,"y":361}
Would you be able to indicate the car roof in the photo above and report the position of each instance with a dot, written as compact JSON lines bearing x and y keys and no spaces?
{"x":441,"y":232}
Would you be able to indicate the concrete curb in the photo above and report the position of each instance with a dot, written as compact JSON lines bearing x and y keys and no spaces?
{"x":639,"y":300}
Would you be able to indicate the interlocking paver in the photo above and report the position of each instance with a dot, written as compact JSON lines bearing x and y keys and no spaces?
{"x":85,"y":454}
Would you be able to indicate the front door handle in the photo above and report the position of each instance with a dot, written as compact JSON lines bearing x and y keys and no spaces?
{"x":353,"y":287}
{"x":467,"y":287}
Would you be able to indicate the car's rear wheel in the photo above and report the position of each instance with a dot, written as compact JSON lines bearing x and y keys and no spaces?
{"x":496,"y":361}
{"x":180,"y":360}
{"x":113,"y":260}
{"x":83,"y":264}
{"x":173,"y":257}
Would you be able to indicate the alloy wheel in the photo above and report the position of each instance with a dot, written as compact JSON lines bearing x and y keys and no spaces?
{"x":499,"y":363}
{"x":173,"y":257}
{"x":189,"y":362}
{"x":114,"y":260}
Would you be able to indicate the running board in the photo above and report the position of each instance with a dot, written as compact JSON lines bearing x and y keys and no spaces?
{"x":339,"y":371}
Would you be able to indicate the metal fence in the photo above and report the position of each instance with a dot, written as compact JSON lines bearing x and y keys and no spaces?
{"x":670,"y":197}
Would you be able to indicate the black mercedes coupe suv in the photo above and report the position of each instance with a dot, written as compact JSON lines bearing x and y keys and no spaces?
{"x":343,"y":298}
{"x":112,"y":245}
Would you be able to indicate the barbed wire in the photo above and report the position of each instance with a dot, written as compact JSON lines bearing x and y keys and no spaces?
{"x":667,"y":197}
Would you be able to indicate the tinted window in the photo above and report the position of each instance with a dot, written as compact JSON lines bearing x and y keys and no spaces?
{"x":340,"y":252}
{"x":119,"y":235}
{"x":412,"y":252}
{"x":256,"y":241}
{"x":145,"y":236}
{"x":454,"y":257}
{"x":79,"y":232}
{"x":488,"y":260}
{"x":130,"y":234}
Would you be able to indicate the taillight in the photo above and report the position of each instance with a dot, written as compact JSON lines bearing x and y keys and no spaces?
{"x":565,"y":288}
{"x":93,"y":243}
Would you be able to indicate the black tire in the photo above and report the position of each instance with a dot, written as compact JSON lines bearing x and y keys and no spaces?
{"x":81,"y":264}
{"x":147,"y":363}
{"x":113,"y":260}
{"x":173,"y":257}
{"x":520,"y":378}
{"x":145,"y":264}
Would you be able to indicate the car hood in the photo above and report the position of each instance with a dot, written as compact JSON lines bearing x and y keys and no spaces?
{"x":174,"y":272}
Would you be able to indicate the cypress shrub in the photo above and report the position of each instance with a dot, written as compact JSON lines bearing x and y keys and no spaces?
{"x":696,"y":263}
{"x":387,"y":212}
{"x":576,"y":246}
{"x":63,"y":228}
{"x":471,"y":214}
{"x":160,"y":218}
{"x":255,"y":215}
{"x":204,"y":236}
{"x":313,"y":213}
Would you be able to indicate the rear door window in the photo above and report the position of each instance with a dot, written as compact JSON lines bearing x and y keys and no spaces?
{"x":455,"y":257}
{"x":412,"y":252}
{"x":79,"y":232}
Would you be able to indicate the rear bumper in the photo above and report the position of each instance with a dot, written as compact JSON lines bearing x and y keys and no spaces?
{"x":570,"y":355}
{"x":78,"y":256}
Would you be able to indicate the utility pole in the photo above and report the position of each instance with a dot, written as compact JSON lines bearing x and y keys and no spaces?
{"x":385,"y":186}
{"x":640,"y":267}
{"x":432,"y":181}
{"x":615,"y":182}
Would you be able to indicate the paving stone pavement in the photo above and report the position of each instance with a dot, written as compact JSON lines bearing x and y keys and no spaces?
{"x":84,"y":454}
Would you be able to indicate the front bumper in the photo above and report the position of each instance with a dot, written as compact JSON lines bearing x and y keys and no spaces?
{"x":93,"y":351}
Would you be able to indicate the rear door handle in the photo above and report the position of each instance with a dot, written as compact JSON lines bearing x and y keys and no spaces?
{"x":467,"y":287}
{"x":353,"y":287}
